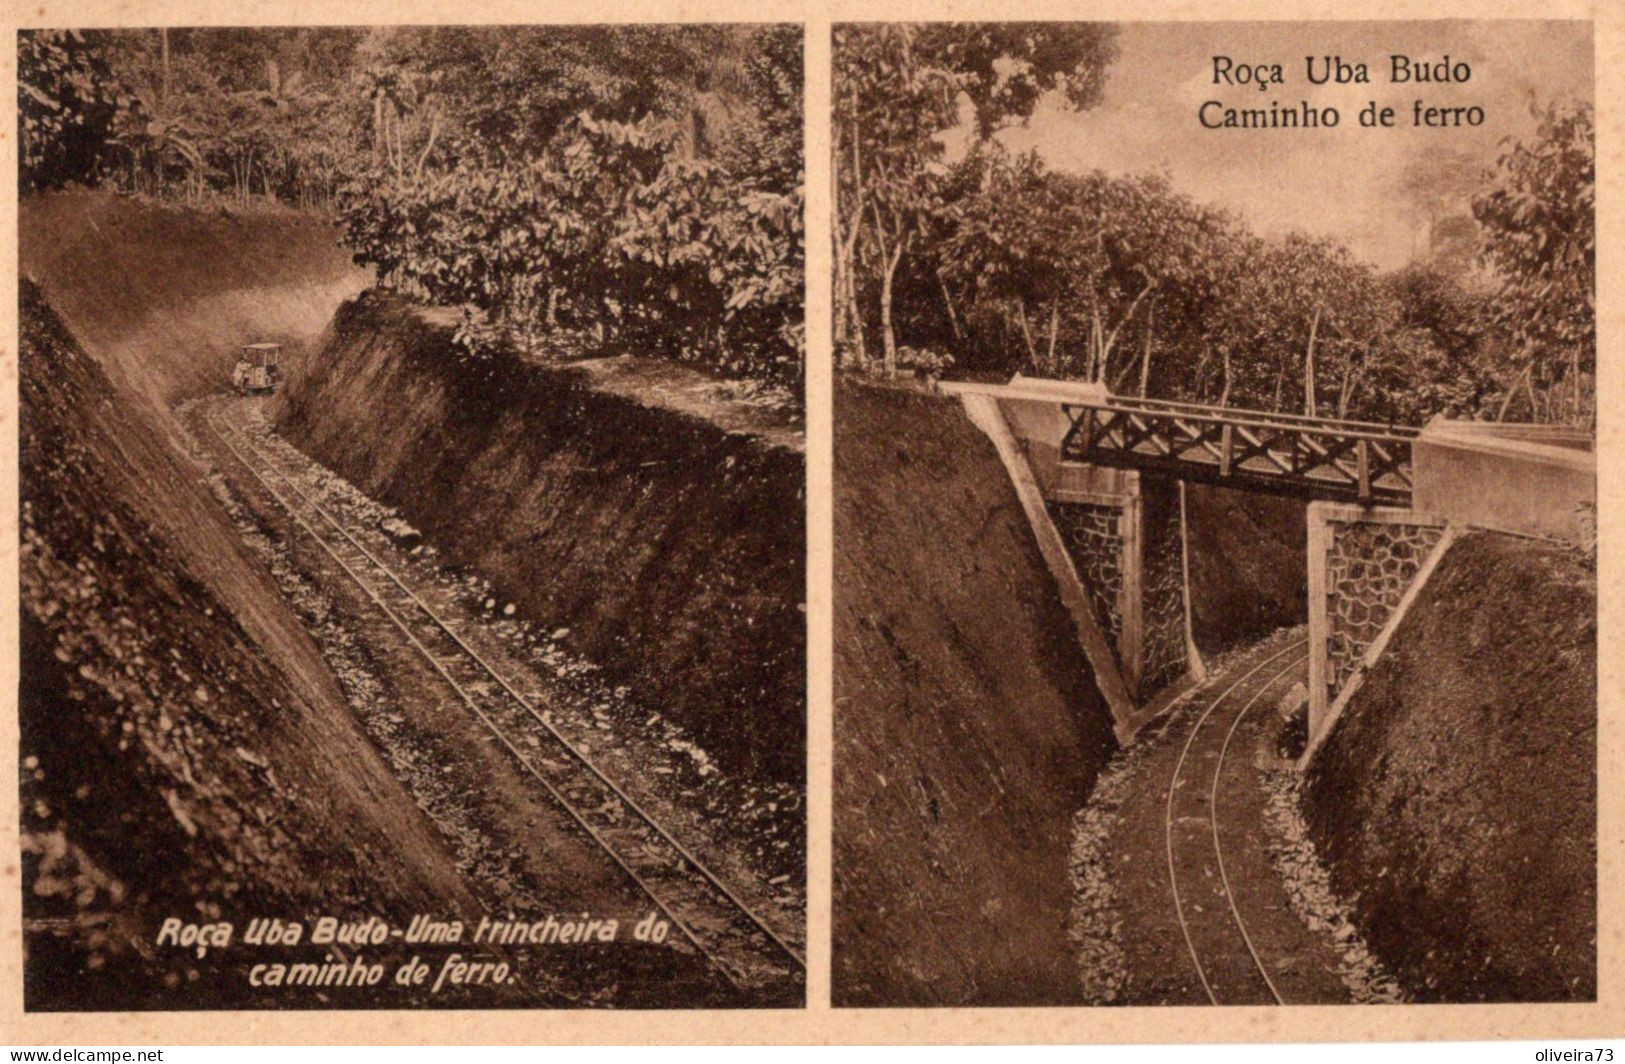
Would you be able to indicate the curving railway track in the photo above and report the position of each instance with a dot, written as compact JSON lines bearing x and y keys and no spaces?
{"x":1230,"y":964}
{"x":739,"y":942}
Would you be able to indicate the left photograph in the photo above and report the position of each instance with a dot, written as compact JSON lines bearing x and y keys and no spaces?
{"x":412,"y":530}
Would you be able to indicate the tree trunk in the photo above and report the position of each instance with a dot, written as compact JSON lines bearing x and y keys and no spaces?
{"x":887,"y":334}
{"x":860,"y":340}
{"x":1095,"y":370}
{"x":953,"y":316}
{"x":1345,"y":394}
{"x":1512,"y":389}
{"x":1026,"y":333}
{"x":1054,"y":327}
{"x":1145,"y":356}
{"x":848,"y":315}
{"x":848,"y":301}
{"x":1574,"y":371}
{"x":1309,"y":367}
{"x":1199,"y":374}
{"x":840,"y":325}
{"x":1111,"y":341}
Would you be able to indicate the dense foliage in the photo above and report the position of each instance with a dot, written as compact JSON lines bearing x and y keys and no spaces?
{"x":65,"y":106}
{"x":897,"y":88}
{"x":573,"y":188}
{"x":992,"y":263}
{"x":1540,"y":234}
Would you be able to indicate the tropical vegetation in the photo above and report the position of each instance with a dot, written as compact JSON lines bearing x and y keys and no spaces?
{"x":634,"y":188}
{"x":954,"y":255}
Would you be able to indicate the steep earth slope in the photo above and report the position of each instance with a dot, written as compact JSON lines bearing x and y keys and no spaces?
{"x":1456,"y":798}
{"x":660,"y":544}
{"x":1248,"y":565}
{"x":164,"y":294}
{"x":967,"y":728}
{"x":186,"y":751}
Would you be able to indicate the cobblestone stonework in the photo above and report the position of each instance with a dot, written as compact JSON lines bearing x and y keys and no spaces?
{"x":1093,"y":537}
{"x":1162,"y":611}
{"x":1369,"y":565}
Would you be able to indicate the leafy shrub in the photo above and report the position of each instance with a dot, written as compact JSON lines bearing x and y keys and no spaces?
{"x":611,"y":231}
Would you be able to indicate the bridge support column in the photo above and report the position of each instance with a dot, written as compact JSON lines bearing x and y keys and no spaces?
{"x":1125,"y":537}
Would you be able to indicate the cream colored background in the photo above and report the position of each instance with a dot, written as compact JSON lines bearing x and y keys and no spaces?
{"x":819,"y":1023}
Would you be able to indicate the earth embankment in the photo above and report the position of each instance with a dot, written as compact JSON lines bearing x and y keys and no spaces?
{"x":1456,"y":798}
{"x":1249,"y":573}
{"x":657,"y":529}
{"x":968,"y":729}
{"x":186,"y":750}
{"x":165,"y":294}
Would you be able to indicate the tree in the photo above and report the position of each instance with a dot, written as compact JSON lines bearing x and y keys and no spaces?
{"x":1079,"y":264}
{"x":1539,"y":226}
{"x":616,"y":222}
{"x":1439,"y":185}
{"x":1005,"y":68}
{"x":1120,"y":279}
{"x":638,"y":185}
{"x":897,"y":88}
{"x":764,"y":149}
{"x":66,"y":103}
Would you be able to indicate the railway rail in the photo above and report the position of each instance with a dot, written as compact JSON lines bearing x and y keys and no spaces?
{"x":737,"y":940}
{"x":1226,"y":959}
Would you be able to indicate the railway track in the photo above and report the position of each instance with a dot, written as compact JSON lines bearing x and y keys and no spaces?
{"x":737,"y":941}
{"x":1225,"y":956}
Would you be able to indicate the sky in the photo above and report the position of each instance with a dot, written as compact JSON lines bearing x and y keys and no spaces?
{"x":1337,"y":182}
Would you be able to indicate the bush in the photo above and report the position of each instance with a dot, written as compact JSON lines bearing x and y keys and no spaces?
{"x":609,"y":231}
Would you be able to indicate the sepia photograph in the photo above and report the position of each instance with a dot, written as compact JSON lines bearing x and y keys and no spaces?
{"x":412,"y":537}
{"x":1215,"y":513}
{"x":735,"y":524}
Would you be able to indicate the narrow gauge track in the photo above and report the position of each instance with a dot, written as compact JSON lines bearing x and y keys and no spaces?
{"x":724,"y":929}
{"x":1227,"y":961}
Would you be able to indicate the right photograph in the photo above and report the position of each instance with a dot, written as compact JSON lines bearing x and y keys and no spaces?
{"x":1215,"y":513}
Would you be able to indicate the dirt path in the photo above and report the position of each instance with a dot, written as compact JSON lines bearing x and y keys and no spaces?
{"x":521,"y":851}
{"x":1188,"y":887}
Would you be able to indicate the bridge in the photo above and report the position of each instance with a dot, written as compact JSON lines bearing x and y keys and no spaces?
{"x":1102,"y":480}
{"x":1308,"y":457}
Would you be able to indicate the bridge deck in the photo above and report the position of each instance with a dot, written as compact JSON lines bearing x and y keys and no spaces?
{"x":1294,"y":454}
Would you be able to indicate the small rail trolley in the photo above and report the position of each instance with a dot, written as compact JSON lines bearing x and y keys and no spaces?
{"x":256,"y":372}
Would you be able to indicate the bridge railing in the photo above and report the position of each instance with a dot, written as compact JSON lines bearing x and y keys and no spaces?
{"x":1296,"y":454}
{"x":1274,"y":417}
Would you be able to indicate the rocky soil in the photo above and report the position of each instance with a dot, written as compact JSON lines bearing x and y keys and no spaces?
{"x":1130,"y":944}
{"x":748,"y":827}
{"x":186,"y":751}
